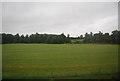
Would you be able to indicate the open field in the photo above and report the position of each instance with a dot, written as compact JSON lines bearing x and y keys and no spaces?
{"x":34,"y":61}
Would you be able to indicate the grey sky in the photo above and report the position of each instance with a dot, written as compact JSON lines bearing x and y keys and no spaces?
{"x":55,"y":18}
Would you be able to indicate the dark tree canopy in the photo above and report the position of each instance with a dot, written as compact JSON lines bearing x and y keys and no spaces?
{"x":35,"y":38}
{"x":114,"y":38}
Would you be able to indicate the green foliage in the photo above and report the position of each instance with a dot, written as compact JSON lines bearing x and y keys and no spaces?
{"x":56,"y":39}
{"x":7,"y":38}
{"x":35,"y":38}
{"x":114,"y":38}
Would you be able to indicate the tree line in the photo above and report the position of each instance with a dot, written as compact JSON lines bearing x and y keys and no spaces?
{"x":35,"y":38}
{"x":113,"y":38}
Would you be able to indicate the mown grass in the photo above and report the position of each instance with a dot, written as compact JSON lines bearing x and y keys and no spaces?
{"x":36,"y":61}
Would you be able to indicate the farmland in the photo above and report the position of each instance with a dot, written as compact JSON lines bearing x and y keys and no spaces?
{"x":83,"y":61}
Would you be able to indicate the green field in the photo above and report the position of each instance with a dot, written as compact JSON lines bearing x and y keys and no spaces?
{"x":37,"y":61}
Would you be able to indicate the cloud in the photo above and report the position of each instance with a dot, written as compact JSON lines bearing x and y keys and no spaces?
{"x":71,"y":18}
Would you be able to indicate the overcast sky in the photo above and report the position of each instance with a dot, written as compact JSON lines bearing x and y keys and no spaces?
{"x":74,"y":18}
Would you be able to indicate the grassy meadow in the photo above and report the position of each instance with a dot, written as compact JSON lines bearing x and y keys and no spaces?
{"x":62,"y":61}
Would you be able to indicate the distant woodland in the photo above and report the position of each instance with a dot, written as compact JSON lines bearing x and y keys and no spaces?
{"x":102,"y":38}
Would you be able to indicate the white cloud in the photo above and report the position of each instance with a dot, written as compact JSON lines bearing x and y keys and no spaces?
{"x":72,"y":18}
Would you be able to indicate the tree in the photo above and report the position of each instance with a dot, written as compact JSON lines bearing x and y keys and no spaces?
{"x":17,"y":38}
{"x":22,"y":39}
{"x":115,"y":37}
{"x":26,"y":39}
{"x":106,"y":38}
{"x":7,"y":38}
{"x":87,"y":38}
{"x":68,"y":35}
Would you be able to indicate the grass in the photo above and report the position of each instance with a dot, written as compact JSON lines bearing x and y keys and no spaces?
{"x":76,"y":41}
{"x":36,"y":61}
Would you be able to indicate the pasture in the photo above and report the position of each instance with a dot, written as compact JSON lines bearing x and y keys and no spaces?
{"x":62,"y":61}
